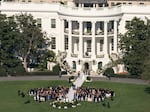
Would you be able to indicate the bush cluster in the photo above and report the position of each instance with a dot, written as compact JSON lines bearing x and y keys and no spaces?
{"x":19,"y":71}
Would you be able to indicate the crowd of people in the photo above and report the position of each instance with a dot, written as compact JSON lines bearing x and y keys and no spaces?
{"x":44,"y":94}
{"x":93,"y":94}
{"x":81,"y":94}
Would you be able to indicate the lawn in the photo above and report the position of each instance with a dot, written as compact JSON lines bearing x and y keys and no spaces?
{"x":129,"y":98}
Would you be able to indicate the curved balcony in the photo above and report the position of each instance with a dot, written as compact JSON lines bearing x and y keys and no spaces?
{"x":90,"y":12}
{"x":61,"y":9}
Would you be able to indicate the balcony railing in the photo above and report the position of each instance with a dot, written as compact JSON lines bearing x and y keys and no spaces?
{"x":74,"y":55}
{"x":100,"y":56}
{"x":66,"y":30}
{"x":75,"y":31}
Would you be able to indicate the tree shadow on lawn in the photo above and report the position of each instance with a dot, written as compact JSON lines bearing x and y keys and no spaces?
{"x":147,"y":90}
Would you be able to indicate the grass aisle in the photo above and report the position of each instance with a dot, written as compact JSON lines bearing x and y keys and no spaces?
{"x":129,"y":97}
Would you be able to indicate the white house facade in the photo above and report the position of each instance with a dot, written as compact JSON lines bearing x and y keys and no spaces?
{"x":89,"y":35}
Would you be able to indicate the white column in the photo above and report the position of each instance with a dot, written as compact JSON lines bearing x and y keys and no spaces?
{"x":70,"y":37}
{"x":96,"y":5}
{"x":115,"y":36}
{"x":93,"y":40}
{"x":75,"y":48}
{"x":105,"y":39}
{"x":62,"y":40}
{"x":82,"y":5}
{"x":80,"y":39}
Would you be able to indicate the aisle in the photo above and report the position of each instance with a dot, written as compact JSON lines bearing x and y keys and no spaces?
{"x":77,"y":83}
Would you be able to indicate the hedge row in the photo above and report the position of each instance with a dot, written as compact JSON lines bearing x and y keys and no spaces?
{"x":19,"y":71}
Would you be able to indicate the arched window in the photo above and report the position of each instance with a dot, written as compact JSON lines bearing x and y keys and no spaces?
{"x":73,"y":64}
{"x":100,"y":65}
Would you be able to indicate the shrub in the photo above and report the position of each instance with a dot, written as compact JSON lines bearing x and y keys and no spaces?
{"x":56,"y":69}
{"x":71,"y":78}
{"x":2,"y":72}
{"x":63,"y":72}
{"x":109,"y":72}
{"x":88,"y":78}
{"x":19,"y":70}
{"x":42,"y":73}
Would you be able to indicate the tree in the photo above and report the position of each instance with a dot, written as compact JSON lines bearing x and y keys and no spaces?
{"x":30,"y":41}
{"x":8,"y":33}
{"x":146,"y":66}
{"x":43,"y":57}
{"x":134,"y":46}
{"x":146,"y":69}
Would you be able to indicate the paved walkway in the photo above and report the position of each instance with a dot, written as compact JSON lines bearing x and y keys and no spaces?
{"x":122,"y":80}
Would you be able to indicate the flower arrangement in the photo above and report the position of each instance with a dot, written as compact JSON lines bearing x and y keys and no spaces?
{"x":64,"y":105}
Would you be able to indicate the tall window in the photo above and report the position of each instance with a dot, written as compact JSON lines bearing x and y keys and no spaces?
{"x":53,"y":45}
{"x":101,"y":45}
{"x":66,"y":42}
{"x":112,"y":44}
{"x":77,"y":42}
{"x":127,"y":21}
{"x":39,"y":22}
{"x":73,"y":64}
{"x":53,"y":23}
{"x":100,"y":65}
{"x":88,"y":45}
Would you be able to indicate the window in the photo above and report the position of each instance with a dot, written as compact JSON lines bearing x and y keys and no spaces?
{"x":118,"y":3}
{"x":53,"y":23}
{"x":73,"y":65}
{"x":39,"y":22}
{"x":77,"y":42}
{"x":112,"y":4}
{"x":127,"y":22}
{"x":112,"y":44}
{"x":100,"y":65}
{"x":141,"y":3}
{"x":101,"y":45}
{"x":53,"y":45}
{"x":88,"y":45}
{"x":66,"y":42}
{"x":110,"y":26}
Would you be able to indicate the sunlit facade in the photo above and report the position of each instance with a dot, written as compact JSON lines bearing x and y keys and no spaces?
{"x":88,"y":32}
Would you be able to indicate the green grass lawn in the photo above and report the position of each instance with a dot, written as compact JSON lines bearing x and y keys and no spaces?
{"x":129,"y":98}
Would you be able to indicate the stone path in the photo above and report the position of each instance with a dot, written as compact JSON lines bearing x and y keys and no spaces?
{"x":65,"y":77}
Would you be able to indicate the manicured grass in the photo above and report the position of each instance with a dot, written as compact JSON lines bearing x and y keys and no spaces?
{"x":129,"y":98}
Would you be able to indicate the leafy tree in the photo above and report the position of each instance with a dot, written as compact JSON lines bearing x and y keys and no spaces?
{"x":22,"y":43}
{"x":146,"y":66}
{"x":8,"y":33}
{"x":31,"y":40}
{"x":43,"y":57}
{"x":146,"y":69}
{"x":134,"y":46}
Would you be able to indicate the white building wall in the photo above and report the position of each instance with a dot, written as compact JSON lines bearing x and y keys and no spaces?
{"x":119,"y":14}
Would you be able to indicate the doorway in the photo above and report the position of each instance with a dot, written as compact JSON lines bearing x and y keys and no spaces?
{"x":86,"y":66}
